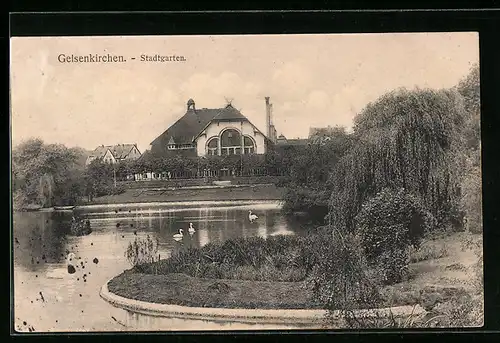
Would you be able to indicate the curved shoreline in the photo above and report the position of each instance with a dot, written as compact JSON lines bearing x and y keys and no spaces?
{"x":248,"y":316}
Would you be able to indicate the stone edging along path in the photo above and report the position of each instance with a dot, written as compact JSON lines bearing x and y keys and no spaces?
{"x":253,"y":316}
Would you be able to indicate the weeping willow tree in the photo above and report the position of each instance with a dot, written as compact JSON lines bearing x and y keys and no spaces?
{"x":408,"y":139}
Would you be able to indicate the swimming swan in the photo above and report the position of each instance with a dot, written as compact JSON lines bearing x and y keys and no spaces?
{"x":61,"y":273}
{"x":179,"y":235}
{"x":191,"y":229}
{"x":252,"y":216}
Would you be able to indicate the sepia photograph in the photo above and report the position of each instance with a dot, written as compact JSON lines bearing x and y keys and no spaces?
{"x":246,"y":182}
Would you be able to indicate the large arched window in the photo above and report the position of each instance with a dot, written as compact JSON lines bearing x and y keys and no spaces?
{"x":212,"y":146}
{"x":249,"y":145}
{"x":230,"y":142}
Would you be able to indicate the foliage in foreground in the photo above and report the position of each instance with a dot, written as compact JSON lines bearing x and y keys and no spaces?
{"x":333,"y":267}
{"x":343,"y":280}
{"x":388,"y":225}
{"x":278,"y":258}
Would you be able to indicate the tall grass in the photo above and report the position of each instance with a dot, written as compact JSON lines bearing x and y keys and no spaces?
{"x":142,"y":251}
{"x":277,"y":258}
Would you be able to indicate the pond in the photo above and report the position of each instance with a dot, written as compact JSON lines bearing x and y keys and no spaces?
{"x":46,"y":300}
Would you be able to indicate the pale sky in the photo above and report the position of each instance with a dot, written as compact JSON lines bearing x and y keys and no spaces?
{"x":313,"y":80}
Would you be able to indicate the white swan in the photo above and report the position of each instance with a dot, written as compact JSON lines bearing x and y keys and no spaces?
{"x":61,"y":273}
{"x":191,"y":229}
{"x":252,"y":216}
{"x":178,"y":236}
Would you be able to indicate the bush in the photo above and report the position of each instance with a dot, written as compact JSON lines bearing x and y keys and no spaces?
{"x":142,"y":251}
{"x":343,"y":280}
{"x":388,"y":224}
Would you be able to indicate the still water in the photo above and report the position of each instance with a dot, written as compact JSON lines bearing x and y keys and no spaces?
{"x":47,"y":300}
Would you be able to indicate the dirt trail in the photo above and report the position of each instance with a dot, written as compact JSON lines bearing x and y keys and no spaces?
{"x":459,"y":268}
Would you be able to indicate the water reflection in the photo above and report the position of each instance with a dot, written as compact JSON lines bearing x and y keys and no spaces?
{"x":41,"y":243}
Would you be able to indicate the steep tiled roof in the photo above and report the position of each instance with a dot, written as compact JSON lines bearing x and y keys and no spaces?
{"x":184,"y":130}
{"x":100,"y":151}
{"x":122,"y":150}
{"x":229,"y":113}
{"x":119,"y":151}
{"x":188,"y":126}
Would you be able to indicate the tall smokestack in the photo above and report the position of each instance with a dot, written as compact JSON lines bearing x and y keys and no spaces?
{"x":268,"y":117}
{"x":271,"y":123}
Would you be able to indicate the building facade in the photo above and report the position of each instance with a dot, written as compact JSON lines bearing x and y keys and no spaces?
{"x":209,"y":132}
{"x":114,"y":153}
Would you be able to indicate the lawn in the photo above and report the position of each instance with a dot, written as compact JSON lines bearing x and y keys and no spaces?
{"x":443,"y":279}
{"x":257,"y":192}
{"x":181,"y":289}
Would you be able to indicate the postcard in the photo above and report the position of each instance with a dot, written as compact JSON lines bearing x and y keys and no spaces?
{"x":246,"y":182}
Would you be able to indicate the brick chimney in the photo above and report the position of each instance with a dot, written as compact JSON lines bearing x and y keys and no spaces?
{"x":268,"y":117}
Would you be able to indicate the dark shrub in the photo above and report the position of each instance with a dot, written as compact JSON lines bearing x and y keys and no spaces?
{"x":388,"y":224}
{"x":342,"y":279}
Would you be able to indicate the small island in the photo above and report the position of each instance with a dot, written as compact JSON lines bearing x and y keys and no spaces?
{"x":277,"y":273}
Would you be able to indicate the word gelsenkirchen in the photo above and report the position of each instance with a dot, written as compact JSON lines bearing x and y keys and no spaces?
{"x":91,"y":58}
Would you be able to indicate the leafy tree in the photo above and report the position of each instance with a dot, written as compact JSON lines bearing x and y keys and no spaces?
{"x":98,"y":179}
{"x":308,"y":188}
{"x":41,"y":171}
{"x":409,"y":139}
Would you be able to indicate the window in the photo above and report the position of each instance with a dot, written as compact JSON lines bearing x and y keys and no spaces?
{"x":249,"y":145}
{"x":230,"y":138}
{"x":212,"y":146}
{"x":230,"y":142}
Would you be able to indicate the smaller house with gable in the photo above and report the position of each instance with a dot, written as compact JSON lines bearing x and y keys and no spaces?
{"x":114,"y":153}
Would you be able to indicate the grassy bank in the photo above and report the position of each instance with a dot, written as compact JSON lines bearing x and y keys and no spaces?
{"x":257,"y":192}
{"x":241,"y":180}
{"x":443,"y":279}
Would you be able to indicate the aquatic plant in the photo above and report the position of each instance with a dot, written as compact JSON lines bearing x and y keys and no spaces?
{"x":81,"y":228}
{"x":142,"y":251}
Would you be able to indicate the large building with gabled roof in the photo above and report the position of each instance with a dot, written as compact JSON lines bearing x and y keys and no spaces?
{"x":214,"y":131}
